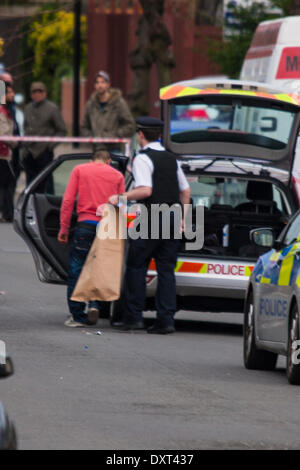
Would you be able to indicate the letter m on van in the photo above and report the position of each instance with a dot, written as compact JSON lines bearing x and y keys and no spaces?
{"x":289,"y":65}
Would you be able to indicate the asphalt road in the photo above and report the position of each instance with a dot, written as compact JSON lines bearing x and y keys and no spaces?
{"x":74,"y":389}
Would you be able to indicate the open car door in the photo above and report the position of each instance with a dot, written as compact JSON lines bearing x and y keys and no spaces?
{"x":37,"y":213}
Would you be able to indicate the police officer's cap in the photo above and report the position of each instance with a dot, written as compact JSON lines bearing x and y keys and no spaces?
{"x":148,"y":122}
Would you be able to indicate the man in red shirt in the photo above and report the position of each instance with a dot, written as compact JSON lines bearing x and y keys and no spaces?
{"x":90,"y":185}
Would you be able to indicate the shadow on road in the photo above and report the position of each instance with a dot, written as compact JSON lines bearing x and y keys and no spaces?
{"x":208,"y":327}
{"x":191,"y":326}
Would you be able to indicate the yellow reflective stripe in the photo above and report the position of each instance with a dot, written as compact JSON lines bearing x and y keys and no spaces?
{"x":248,"y":270}
{"x":286,"y":98}
{"x":203,"y":269}
{"x":189,"y":91}
{"x":285,"y":271}
{"x":238,"y":92}
{"x":265,"y":280}
{"x":275,"y":256}
{"x":163,"y":90}
{"x":178,"y":266}
{"x":298,"y":280}
{"x":294,"y":249}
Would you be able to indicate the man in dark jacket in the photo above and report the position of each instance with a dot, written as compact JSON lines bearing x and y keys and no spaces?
{"x":41,"y":118}
{"x":107,"y":113}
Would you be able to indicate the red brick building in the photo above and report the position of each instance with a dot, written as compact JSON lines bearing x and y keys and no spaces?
{"x":112,"y":26}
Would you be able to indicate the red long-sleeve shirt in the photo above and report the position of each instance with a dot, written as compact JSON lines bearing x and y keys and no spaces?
{"x":90,"y":184}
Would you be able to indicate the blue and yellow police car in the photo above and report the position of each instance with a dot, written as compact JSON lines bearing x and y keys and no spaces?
{"x":271,"y":321}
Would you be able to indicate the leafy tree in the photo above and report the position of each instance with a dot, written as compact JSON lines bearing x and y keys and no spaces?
{"x":152,"y":48}
{"x":154,"y":41}
{"x":206,"y":11}
{"x":294,"y":7}
{"x":230,"y":53}
{"x":50,"y":42}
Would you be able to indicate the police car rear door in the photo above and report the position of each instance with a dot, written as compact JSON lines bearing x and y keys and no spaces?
{"x":37,"y":215}
{"x":231,"y":119}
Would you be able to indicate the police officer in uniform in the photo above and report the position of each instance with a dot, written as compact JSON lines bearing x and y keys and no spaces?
{"x":158,"y":180}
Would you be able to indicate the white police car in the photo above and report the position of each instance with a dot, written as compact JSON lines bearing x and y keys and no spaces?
{"x":237,"y":143}
{"x":272,"y":324}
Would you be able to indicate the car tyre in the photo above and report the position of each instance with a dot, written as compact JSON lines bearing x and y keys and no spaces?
{"x":8,"y":436}
{"x":6,"y":369}
{"x":11,"y":442}
{"x":293,"y":369}
{"x":254,"y":358}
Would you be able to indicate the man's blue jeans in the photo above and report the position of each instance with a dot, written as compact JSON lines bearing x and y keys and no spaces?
{"x":83,"y":238}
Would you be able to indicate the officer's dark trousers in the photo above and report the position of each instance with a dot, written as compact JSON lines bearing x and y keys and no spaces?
{"x":140,"y":254}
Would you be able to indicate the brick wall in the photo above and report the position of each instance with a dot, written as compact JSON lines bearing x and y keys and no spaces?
{"x":67,"y":101}
{"x":111,"y":36}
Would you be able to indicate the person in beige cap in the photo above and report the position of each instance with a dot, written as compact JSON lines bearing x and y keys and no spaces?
{"x":107,"y":114}
{"x":41,"y":118}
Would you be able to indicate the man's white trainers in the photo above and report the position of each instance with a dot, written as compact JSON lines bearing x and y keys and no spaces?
{"x":71,"y":323}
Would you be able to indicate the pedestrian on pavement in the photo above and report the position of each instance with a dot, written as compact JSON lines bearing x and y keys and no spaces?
{"x":7,"y":78}
{"x":7,"y":176}
{"x":90,"y":185}
{"x":16,"y":166}
{"x":41,"y":118}
{"x":158,"y":180}
{"x":107,"y":114}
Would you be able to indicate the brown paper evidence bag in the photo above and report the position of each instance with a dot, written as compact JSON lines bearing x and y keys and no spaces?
{"x":101,"y":275}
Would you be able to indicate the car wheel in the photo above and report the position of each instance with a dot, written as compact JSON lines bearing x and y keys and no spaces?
{"x":6,"y":369}
{"x":292,"y":368}
{"x":8,"y":437}
{"x":11,"y":436}
{"x":255,"y":358}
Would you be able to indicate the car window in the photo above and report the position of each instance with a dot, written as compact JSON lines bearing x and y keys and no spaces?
{"x":213,"y":190}
{"x":277,"y":197}
{"x":236,"y":122}
{"x":293,"y":231}
{"x":210,"y":190}
{"x":57,"y":181}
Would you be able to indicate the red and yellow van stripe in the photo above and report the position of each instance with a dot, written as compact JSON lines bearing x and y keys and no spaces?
{"x":177,"y":91}
{"x":191,"y":267}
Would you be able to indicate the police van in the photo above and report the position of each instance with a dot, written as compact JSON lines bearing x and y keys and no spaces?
{"x":236,"y":143}
{"x":274,"y":54}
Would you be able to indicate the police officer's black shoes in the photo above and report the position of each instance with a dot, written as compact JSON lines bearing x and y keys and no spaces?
{"x":132,"y":326}
{"x":161,"y":330}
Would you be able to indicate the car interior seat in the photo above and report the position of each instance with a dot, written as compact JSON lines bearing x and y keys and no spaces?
{"x":260,"y":195}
